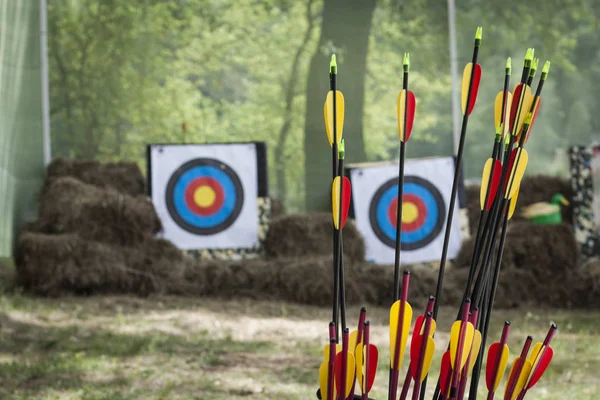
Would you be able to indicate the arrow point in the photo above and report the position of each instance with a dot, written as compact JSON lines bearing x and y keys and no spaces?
{"x":406,"y":272}
{"x":507,"y":322}
{"x":363,"y":309}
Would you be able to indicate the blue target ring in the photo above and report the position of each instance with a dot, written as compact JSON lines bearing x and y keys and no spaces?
{"x":218,"y":204}
{"x":428,"y":211}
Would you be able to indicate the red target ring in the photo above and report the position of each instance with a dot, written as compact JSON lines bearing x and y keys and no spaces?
{"x":421,"y":210}
{"x":204,"y":182}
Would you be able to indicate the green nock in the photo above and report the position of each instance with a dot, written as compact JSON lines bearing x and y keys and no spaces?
{"x":528,"y":57}
{"x":508,"y":66}
{"x":333,"y":65}
{"x":534,"y":66}
{"x":341,"y":150}
{"x":545,"y":70}
{"x":498,"y":136}
{"x":528,"y":118}
{"x":406,"y":62}
{"x":506,"y":141}
{"x":478,"y":35}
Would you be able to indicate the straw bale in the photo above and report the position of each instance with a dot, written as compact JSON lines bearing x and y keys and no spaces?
{"x":302,"y":235}
{"x":104,"y":215}
{"x":126,"y":177}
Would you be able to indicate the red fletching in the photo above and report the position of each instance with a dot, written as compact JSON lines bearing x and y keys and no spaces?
{"x":445,"y":373}
{"x":372,"y":367}
{"x":494,"y":183}
{"x":535,"y":113}
{"x":417,"y":330}
{"x":541,"y":368}
{"x":415,"y":353}
{"x":346,"y":193}
{"x":474,"y":87}
{"x":411,"y":105}
{"x":490,"y":368}
{"x":514,"y":106}
{"x":340,"y":371}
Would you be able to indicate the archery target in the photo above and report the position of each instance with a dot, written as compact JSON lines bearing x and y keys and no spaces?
{"x":426,"y":197}
{"x":206,"y":194}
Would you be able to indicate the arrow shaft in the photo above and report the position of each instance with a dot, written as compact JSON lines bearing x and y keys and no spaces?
{"x":340,"y":247}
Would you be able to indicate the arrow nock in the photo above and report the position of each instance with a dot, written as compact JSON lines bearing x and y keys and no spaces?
{"x":528,"y":57}
{"x":333,"y":65}
{"x":478,"y":35}
{"x":528,"y":118}
{"x":499,"y":132}
{"x":508,"y":66}
{"x":341,"y":150}
{"x":534,"y":67}
{"x":406,"y":63}
{"x":545,"y":70}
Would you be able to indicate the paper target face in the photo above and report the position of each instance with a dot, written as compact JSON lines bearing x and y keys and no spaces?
{"x":206,"y":195}
{"x":425,"y":200}
{"x":423,"y":213}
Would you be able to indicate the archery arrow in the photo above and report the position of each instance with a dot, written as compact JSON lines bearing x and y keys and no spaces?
{"x":340,"y":200}
{"x":532,"y":70}
{"x":496,"y":362}
{"x":518,"y":372}
{"x":344,"y":368}
{"x":418,"y":330}
{"x":540,"y":358}
{"x":422,"y":353}
{"x":471,"y":90}
{"x":400,"y":320}
{"x":333,"y":112}
{"x":461,"y":338}
{"x":356,"y":339}
{"x":406,"y":116}
{"x":327,"y":368}
{"x":473,"y":353}
{"x":366,"y":363}
{"x":537,"y":99}
{"x":503,"y":101}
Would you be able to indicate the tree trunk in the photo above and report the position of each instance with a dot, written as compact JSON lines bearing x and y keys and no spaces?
{"x":346,"y":25}
{"x":290,"y":92}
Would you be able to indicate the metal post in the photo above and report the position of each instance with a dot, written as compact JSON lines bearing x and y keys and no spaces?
{"x":454,"y":75}
{"x":45,"y":85}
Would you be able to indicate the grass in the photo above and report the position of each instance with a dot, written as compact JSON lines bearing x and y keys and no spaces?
{"x":124,"y":348}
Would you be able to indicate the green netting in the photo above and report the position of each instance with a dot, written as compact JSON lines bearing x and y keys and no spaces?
{"x":21,"y":140}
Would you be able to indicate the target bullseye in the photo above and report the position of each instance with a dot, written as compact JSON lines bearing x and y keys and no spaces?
{"x":204,"y":196}
{"x":423,"y":213}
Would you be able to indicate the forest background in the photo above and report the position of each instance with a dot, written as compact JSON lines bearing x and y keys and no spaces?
{"x":124,"y":74}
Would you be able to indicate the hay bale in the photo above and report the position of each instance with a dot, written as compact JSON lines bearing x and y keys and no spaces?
{"x":55,"y":264}
{"x":70,"y":206}
{"x":126,"y":177}
{"x":300,"y":235}
{"x":277,"y":208}
{"x":473,"y":207}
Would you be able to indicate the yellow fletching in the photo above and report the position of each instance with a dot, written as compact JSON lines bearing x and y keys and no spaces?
{"x":522,"y":379}
{"x":498,"y":110}
{"x":501,"y":366}
{"x":465,"y":86}
{"x":432,"y":327}
{"x":485,"y":181}
{"x":328,"y":113}
{"x":513,"y":204}
{"x":429,"y":350}
{"x":323,"y":375}
{"x":394,"y":329}
{"x":475,"y":347}
{"x":516,"y":175}
{"x":350,"y":370}
{"x":359,"y":359}
{"x":535,"y":358}
{"x":353,"y":341}
{"x":468,"y":342}
{"x":525,"y":107}
{"x":338,"y":348}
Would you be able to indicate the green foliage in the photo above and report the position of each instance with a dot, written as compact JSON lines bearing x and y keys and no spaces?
{"x":124,"y":74}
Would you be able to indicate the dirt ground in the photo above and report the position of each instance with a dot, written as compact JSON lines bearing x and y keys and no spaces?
{"x":172,"y":348}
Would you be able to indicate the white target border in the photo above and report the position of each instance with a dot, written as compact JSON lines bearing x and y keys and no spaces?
{"x":241,"y":158}
{"x":365,"y":183}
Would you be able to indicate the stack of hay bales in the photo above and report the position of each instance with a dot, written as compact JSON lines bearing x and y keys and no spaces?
{"x":96,"y":233}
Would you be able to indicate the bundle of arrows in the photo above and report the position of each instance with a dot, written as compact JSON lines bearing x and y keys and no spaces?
{"x":350,"y":357}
